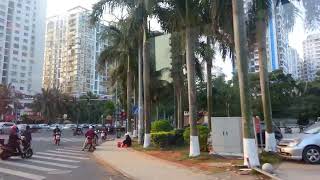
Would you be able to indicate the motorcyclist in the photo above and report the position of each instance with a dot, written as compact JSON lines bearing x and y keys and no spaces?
{"x":90,"y":134}
{"x":27,"y":137}
{"x":13,"y":141}
{"x":56,"y":131}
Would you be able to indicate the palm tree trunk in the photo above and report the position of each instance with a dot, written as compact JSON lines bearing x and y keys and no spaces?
{"x":194,"y":140}
{"x":264,"y":80}
{"x":140,"y":93}
{"x":250,"y":150}
{"x":209,"y":87}
{"x":180,"y":109}
{"x":129,"y":92}
{"x":146,"y":84}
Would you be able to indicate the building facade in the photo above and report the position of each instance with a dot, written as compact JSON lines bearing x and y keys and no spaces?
{"x":294,"y":59}
{"x":277,"y":42}
{"x":311,"y":56}
{"x":22,"y":28}
{"x":72,"y":49}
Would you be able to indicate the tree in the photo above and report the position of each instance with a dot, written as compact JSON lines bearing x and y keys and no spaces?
{"x":48,"y":102}
{"x":250,"y":149}
{"x":5,"y":98}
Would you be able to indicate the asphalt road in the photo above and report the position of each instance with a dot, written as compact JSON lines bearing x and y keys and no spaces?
{"x":51,"y":162}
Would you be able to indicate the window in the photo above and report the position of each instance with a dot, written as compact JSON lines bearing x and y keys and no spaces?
{"x":25,"y":48}
{"x":22,"y":74}
{"x":13,"y":73}
{"x":21,"y":88}
{"x":17,"y":25}
{"x":26,"y":28}
{"x":25,"y":40}
{"x":24,"y":54}
{"x":22,"y":81}
{"x":25,"y":34}
{"x":14,"y":66}
{"x":15,"y":52}
{"x":14,"y":80}
{"x":23,"y":68}
{"x":16,"y":46}
{"x":16,"y":38}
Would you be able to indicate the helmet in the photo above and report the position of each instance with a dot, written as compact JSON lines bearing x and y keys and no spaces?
{"x":90,"y":127}
{"x":57,"y":126}
{"x":27,"y":127}
{"x":14,"y":129}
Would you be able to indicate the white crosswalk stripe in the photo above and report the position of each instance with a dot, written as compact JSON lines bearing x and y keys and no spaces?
{"x":21,"y":174}
{"x":68,"y":153}
{"x":55,"y":159}
{"x":45,"y":139}
{"x":27,"y":166}
{"x":43,"y":163}
{"x":60,"y":155}
{"x":69,"y":150}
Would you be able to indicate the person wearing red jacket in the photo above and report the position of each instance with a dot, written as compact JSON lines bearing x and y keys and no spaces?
{"x":90,"y":134}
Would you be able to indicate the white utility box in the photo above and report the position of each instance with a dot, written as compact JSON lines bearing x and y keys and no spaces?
{"x":226,"y":135}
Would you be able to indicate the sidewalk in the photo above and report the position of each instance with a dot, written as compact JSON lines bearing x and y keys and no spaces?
{"x":139,"y":166}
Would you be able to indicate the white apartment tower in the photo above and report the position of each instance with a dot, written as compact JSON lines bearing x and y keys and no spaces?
{"x":277,"y":42}
{"x":22,"y":28}
{"x":293,"y":66}
{"x":311,"y":55}
{"x":71,"y":53}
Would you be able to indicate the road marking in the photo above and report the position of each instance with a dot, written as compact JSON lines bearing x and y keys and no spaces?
{"x":27,"y":166}
{"x":21,"y":174}
{"x":67,"y":153}
{"x":68,"y":150}
{"x":55,"y":159}
{"x":72,"y":148}
{"x":60,"y":155}
{"x":53,"y":164}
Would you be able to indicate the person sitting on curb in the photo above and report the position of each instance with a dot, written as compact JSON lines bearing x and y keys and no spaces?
{"x":125,"y":143}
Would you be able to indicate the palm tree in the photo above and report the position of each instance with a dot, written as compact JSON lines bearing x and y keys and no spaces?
{"x":48,"y":102}
{"x":249,"y":145}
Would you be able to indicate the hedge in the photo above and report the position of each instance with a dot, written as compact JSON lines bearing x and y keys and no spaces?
{"x":160,"y":126}
{"x":165,"y":139}
{"x":203,"y":134}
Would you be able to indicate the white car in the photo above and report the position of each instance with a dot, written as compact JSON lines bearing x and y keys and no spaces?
{"x":70,"y":126}
{"x":44,"y":126}
{"x":5,"y":127}
{"x":22,"y":127}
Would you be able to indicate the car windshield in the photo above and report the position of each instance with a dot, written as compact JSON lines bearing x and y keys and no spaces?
{"x":314,"y":129}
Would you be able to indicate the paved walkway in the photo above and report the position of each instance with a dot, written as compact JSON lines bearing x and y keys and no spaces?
{"x":295,"y":170}
{"x":140,"y":166}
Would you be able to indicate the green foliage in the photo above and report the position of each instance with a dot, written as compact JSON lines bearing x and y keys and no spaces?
{"x":164,"y":139}
{"x":161,"y":125}
{"x":109,"y":108}
{"x":203,"y":134}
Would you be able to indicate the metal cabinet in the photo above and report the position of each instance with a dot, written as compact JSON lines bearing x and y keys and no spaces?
{"x":226,"y":135}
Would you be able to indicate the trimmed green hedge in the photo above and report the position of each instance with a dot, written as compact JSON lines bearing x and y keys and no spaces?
{"x":165,"y":139}
{"x":161,"y":125}
{"x":203,"y":134}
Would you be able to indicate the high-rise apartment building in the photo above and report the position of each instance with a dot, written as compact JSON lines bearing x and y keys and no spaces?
{"x":22,"y":28}
{"x":72,"y":49}
{"x":311,"y":56}
{"x":294,"y":59}
{"x":277,"y":42}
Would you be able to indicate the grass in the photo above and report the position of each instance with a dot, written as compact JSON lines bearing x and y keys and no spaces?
{"x":272,"y":158}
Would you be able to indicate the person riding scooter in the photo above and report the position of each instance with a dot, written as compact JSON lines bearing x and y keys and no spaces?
{"x":56,"y":132}
{"x":90,"y":135}
{"x":27,"y":138}
{"x":13,"y":142}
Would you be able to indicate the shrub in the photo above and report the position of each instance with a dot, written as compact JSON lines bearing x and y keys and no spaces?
{"x":161,"y":125}
{"x":203,"y":134}
{"x":165,"y":139}
{"x":162,"y":139}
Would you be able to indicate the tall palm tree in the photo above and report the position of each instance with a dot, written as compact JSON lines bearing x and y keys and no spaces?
{"x":120,"y":49}
{"x":249,"y":145}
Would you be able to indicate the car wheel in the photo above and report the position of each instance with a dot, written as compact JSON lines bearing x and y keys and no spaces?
{"x":311,"y":154}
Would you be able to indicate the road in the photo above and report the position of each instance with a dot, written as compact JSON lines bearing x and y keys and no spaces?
{"x":51,"y":162}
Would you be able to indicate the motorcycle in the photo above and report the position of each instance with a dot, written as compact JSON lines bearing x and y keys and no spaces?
{"x":90,"y":143}
{"x":26,"y":147}
{"x":103,"y":135}
{"x":57,"y":137}
{"x":7,"y":151}
{"x":77,"y":132}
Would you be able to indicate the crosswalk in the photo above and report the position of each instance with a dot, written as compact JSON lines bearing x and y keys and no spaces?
{"x":42,"y":164}
{"x":48,"y":139}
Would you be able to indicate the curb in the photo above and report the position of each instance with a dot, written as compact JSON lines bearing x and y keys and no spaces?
{"x":266,"y":174}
